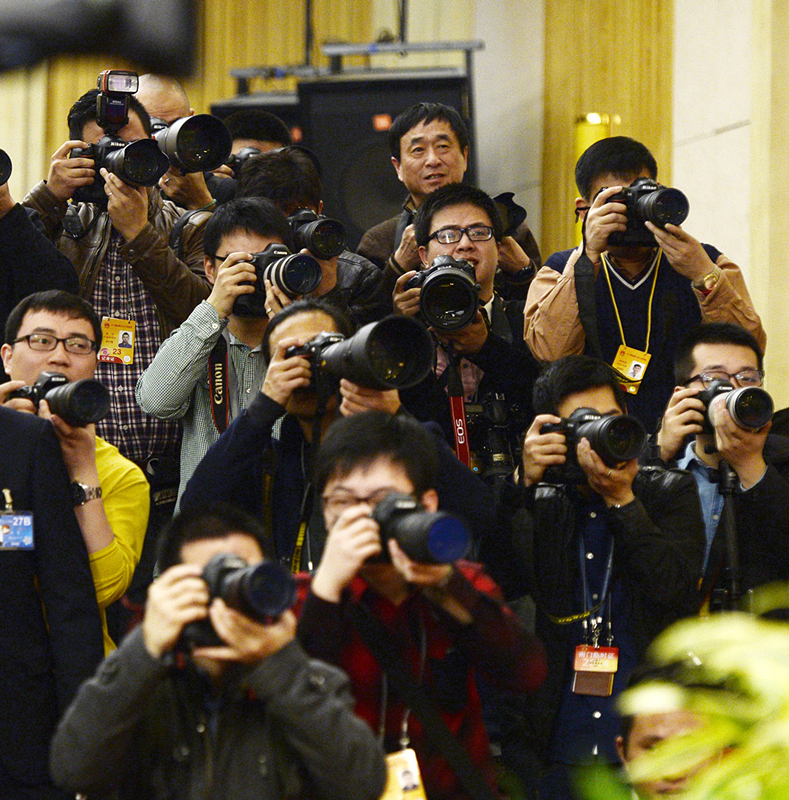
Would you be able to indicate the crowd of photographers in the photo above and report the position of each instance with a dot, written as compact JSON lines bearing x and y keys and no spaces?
{"x":304,"y":481}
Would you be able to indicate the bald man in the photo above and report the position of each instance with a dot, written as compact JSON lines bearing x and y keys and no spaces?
{"x":165,"y":99}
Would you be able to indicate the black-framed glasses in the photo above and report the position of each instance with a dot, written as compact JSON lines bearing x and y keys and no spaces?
{"x":745,"y":377}
{"x":46,"y":342}
{"x":475,"y":233}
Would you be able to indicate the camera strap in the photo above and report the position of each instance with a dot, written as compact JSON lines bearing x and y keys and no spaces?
{"x":457,"y":407}
{"x":218,"y":369}
{"x":380,"y":642}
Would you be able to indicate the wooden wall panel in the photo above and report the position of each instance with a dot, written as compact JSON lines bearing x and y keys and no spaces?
{"x":611,"y":57}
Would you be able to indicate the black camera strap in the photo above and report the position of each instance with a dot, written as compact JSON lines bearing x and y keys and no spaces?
{"x":587,"y":309}
{"x":379,"y":641}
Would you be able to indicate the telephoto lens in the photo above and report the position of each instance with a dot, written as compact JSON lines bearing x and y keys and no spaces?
{"x":449,"y":296}
{"x":615,"y":439}
{"x":79,"y":403}
{"x":427,"y":537}
{"x":750,"y":407}
{"x":196,"y":144}
{"x":138,"y":163}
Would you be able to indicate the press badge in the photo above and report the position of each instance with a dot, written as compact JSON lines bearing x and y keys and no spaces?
{"x":16,"y":530}
{"x":594,"y":670}
{"x":117,"y":340}
{"x":403,"y":779}
{"x":631,"y":364}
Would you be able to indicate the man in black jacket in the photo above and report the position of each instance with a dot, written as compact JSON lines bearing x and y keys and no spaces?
{"x":172,"y":714}
{"x":610,"y":554}
{"x":697,"y":435}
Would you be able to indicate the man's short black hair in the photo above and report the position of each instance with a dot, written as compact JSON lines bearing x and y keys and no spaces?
{"x":617,"y":155}
{"x":454,"y":194}
{"x":308,"y":305}
{"x":218,"y":521}
{"x":426,"y":113}
{"x":711,"y":333}
{"x":84,"y":111}
{"x":56,"y":301}
{"x":251,"y":123}
{"x":360,"y":440}
{"x":570,"y":375}
{"x":288,"y":177}
{"x":250,"y":214}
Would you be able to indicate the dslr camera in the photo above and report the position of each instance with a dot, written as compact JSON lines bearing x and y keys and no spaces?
{"x":450,"y":293}
{"x":648,"y":201}
{"x":78,"y":403}
{"x":322,"y":236}
{"x":615,"y":439}
{"x":428,"y":537}
{"x":236,"y":160}
{"x":138,"y":163}
{"x":292,"y":273}
{"x":750,"y":407}
{"x":394,"y":353}
{"x":494,"y":428}
{"x":263,"y":592}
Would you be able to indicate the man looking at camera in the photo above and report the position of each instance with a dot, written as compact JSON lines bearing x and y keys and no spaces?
{"x":56,"y":331}
{"x":759,"y":460}
{"x":253,"y":717}
{"x":628,"y":303}
{"x":610,"y":555}
{"x":444,"y":620}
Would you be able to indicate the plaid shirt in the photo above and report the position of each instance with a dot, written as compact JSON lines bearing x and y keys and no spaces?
{"x":494,"y":642}
{"x":120,"y":294}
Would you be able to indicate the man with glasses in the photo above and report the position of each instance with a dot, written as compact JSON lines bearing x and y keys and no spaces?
{"x":489,"y":353}
{"x":55,"y":331}
{"x":723,"y":351}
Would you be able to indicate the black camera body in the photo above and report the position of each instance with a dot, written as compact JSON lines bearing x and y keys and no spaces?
{"x":427,"y":537}
{"x":615,"y":439}
{"x":494,"y":428}
{"x":263,"y":592}
{"x":322,"y":236}
{"x":648,"y":201}
{"x":394,"y":353}
{"x":236,"y":160}
{"x":292,"y":273}
{"x":750,"y":407}
{"x":450,"y":293}
{"x":78,"y":403}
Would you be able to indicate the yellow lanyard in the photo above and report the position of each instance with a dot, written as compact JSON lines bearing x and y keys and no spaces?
{"x":295,"y":562}
{"x":651,"y":296}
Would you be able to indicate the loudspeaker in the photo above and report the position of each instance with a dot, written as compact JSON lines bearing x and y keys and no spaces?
{"x":346,"y":120}
{"x":284,"y":105}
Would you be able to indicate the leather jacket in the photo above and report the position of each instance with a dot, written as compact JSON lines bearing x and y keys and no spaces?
{"x":176,"y":286}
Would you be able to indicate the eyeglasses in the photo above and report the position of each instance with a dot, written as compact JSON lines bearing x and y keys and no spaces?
{"x":475,"y":233}
{"x":46,"y":342}
{"x":745,"y":377}
{"x":340,"y":501}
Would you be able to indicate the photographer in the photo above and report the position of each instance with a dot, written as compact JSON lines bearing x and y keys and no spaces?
{"x":182,"y":380}
{"x":610,"y":555}
{"x":262,"y":462}
{"x":429,"y":145}
{"x":488,"y":353}
{"x":56,"y":331}
{"x":251,"y":718}
{"x":289,"y":178}
{"x":444,"y":620}
{"x":760,"y":461}
{"x":625,"y":302}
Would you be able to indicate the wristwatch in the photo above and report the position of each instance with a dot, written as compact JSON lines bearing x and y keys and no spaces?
{"x":708,"y":282}
{"x":81,"y":493}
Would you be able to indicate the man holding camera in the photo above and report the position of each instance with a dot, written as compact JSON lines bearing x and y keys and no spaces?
{"x":610,"y":554}
{"x":487,"y":355}
{"x":699,"y":431}
{"x":263,"y":461}
{"x":441,"y":620}
{"x":429,"y":145}
{"x":625,"y":302}
{"x":252,"y":717}
{"x":289,"y":178}
{"x":212,"y":366}
{"x":59,"y":332}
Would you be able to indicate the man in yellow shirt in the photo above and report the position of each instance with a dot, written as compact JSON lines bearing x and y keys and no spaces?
{"x":55,"y":331}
